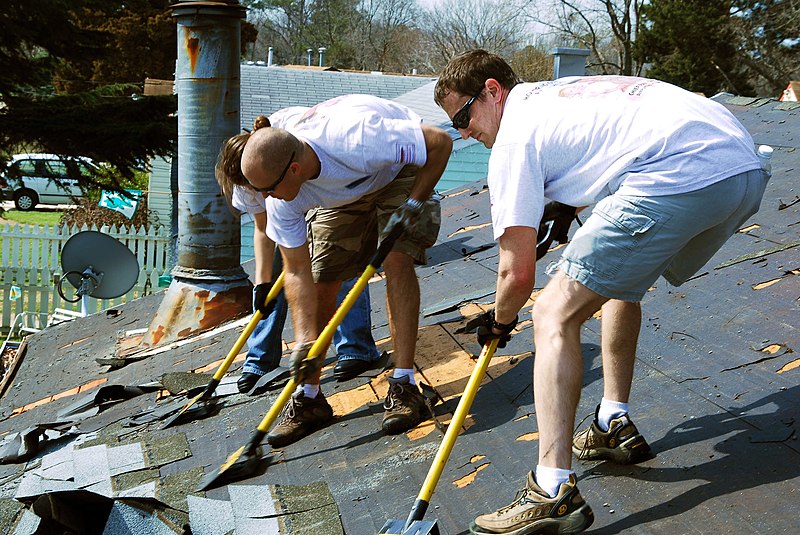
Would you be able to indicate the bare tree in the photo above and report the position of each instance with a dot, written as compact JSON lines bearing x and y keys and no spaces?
{"x":607,"y":28}
{"x":387,"y":35}
{"x":452,"y":26}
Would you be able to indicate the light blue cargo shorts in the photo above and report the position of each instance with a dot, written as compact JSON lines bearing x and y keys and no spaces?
{"x":629,"y":241}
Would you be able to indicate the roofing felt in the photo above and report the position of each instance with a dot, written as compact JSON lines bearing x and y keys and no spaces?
{"x":716,"y":393}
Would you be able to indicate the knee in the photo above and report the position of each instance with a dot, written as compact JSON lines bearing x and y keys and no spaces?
{"x":547,"y":319}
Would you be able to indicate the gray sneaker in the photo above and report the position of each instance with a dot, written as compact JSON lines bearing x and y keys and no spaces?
{"x":621,"y":444}
{"x":533,"y":511}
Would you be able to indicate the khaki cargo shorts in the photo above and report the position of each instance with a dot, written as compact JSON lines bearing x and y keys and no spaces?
{"x":344,"y":239}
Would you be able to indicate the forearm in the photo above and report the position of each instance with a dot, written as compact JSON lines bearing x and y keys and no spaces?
{"x":301,"y":293}
{"x":438,"y":146}
{"x":263,"y":249}
{"x":516,"y":273}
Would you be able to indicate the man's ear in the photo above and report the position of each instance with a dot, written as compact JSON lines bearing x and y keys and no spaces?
{"x":494,"y":88}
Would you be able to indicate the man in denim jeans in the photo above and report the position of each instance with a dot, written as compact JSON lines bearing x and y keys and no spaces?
{"x":673,"y":176}
{"x":353,"y":341}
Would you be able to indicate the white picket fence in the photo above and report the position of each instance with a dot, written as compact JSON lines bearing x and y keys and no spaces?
{"x":31,"y":261}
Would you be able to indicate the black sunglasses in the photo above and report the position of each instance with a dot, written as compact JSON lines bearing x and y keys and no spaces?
{"x":270,"y":189}
{"x":461,"y":117}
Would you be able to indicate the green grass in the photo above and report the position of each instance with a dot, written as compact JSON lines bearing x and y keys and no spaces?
{"x":33,"y":217}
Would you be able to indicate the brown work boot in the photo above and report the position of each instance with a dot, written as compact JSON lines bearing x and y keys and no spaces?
{"x":533,"y":511}
{"x":299,"y":417}
{"x":621,"y":444}
{"x":405,"y":407}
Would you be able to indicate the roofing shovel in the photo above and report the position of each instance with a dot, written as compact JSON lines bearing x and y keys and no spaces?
{"x":414,"y":524}
{"x":191,"y":410}
{"x":244,"y":461}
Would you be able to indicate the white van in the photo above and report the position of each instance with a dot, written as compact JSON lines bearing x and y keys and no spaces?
{"x":32,"y":179}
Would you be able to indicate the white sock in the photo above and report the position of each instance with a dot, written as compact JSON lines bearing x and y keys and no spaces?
{"x":405,"y":372}
{"x":608,"y":411}
{"x":310,"y":391}
{"x":550,"y":479}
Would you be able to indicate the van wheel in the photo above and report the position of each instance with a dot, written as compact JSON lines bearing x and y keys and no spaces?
{"x":25,"y":199}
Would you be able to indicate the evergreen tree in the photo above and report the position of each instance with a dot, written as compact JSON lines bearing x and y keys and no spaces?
{"x":43,"y":43}
{"x":691,"y":43}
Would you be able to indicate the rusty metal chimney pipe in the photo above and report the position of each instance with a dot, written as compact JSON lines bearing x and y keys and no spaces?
{"x":209,"y":285}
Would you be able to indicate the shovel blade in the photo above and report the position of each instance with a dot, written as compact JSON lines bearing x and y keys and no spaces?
{"x":418,"y":527}
{"x":195,"y":409}
{"x":240,"y":465}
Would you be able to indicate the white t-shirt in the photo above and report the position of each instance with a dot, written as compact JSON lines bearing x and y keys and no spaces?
{"x":245,"y":199}
{"x":362,"y":143}
{"x":579,"y":139}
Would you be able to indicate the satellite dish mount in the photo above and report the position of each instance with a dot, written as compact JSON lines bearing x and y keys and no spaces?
{"x":98,"y":266}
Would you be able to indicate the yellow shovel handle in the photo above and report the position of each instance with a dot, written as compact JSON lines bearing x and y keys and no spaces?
{"x":454,"y":427}
{"x":248,"y":330}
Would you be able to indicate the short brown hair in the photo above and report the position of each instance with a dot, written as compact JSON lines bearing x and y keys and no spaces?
{"x":467,"y":72}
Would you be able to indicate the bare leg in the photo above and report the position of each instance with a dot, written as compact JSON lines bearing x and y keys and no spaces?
{"x":620,"y":322}
{"x":402,"y":299}
{"x":558,"y":315}
{"x":326,"y":306}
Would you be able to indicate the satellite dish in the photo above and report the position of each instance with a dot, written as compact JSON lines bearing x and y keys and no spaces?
{"x":98,"y":266}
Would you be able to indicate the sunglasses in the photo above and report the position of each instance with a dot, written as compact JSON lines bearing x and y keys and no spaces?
{"x":461,"y":117}
{"x":270,"y":189}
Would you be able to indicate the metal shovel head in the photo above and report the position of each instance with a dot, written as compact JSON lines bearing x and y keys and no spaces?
{"x":198,"y":407}
{"x":417,"y":527}
{"x":240,"y":465}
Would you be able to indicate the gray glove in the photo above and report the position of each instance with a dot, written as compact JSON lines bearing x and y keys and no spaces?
{"x":301,"y":366}
{"x":407,"y":215}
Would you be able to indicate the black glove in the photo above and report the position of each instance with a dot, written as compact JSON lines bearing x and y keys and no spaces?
{"x":486,"y":335}
{"x":556,"y":220}
{"x":260,"y":293}
{"x":406,"y":215}
{"x":301,"y":366}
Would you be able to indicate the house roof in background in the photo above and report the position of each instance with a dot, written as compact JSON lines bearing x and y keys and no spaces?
{"x":265,"y":90}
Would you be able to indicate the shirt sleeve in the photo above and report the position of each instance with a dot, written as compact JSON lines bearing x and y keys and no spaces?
{"x":285,"y":225}
{"x":247,"y":200}
{"x":516,"y":188}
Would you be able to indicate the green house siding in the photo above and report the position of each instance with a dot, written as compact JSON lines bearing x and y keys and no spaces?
{"x":466,"y":165}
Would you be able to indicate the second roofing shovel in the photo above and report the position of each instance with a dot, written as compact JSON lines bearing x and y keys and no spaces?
{"x":414,"y":524}
{"x":191,"y":409}
{"x":244,"y":461}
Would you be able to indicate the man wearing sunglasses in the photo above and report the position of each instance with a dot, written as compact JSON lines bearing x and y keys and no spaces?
{"x":366,"y":160}
{"x":673,"y":174}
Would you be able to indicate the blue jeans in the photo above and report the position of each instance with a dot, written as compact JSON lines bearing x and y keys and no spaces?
{"x":352,"y":339}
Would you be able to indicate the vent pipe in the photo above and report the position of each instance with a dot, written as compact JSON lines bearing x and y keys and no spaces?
{"x":269,"y":57}
{"x":309,"y":56}
{"x":321,"y":51}
{"x":569,"y":62}
{"x":208,"y":284}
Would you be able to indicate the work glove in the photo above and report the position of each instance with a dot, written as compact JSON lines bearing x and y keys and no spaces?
{"x":555,"y":224}
{"x":486,"y":335}
{"x":301,"y":366}
{"x":260,"y":293}
{"x":407,"y":215}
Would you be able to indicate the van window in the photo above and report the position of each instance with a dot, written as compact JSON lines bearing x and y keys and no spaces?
{"x":55,"y":169}
{"x":22,"y":168}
